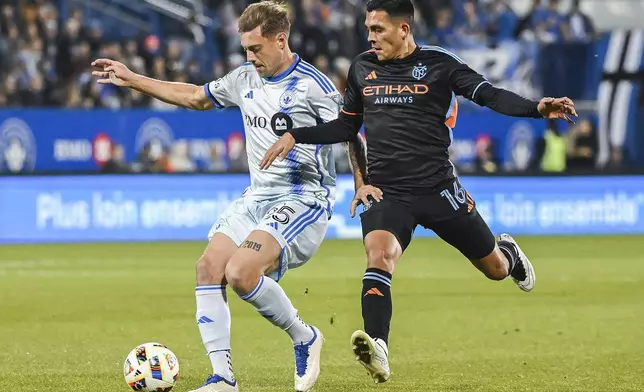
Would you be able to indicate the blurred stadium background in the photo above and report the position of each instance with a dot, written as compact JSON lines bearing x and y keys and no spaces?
{"x":81,"y":162}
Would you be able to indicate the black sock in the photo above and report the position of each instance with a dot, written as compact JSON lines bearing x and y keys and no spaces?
{"x":510,"y":252}
{"x":376,"y":303}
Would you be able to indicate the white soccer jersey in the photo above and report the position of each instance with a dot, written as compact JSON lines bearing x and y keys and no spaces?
{"x":299,"y":97}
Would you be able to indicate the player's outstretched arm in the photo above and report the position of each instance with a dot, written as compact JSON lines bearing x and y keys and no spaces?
{"x":180,"y":94}
{"x":343,"y":129}
{"x":468,"y":83}
{"x":511,"y":104}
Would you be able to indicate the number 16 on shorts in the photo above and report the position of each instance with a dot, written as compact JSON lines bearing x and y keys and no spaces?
{"x":458,"y":197}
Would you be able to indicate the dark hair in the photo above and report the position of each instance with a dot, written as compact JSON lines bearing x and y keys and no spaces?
{"x":272,"y":16}
{"x":395,"y":8}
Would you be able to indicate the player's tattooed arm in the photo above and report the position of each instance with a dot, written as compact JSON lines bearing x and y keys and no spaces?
{"x":357,"y":152}
{"x":256,"y":246}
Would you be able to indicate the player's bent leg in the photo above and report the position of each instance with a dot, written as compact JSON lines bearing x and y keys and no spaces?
{"x":495,"y":259}
{"x":494,"y":266}
{"x":301,"y":235}
{"x":213,"y":314}
{"x":258,"y":256}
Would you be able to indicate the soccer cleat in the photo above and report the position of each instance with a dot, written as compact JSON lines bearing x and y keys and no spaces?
{"x":523,"y":273}
{"x":217,"y":383}
{"x":372,"y":354}
{"x":307,"y":362}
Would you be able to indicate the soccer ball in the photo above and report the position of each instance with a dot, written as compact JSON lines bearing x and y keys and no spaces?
{"x":151,"y":367}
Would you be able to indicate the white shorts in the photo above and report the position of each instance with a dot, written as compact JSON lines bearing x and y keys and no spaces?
{"x":298,"y":223}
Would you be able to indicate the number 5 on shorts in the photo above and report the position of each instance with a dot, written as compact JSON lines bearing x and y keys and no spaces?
{"x":283,"y":214}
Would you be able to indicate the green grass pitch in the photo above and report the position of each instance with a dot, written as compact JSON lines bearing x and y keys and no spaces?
{"x":69,"y":314}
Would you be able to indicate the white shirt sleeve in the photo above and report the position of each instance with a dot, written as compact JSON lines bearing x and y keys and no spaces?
{"x":326,"y":106}
{"x":224,"y":92}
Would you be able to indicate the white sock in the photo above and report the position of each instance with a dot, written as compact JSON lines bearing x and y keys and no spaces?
{"x":213,"y":319}
{"x":270,"y":300}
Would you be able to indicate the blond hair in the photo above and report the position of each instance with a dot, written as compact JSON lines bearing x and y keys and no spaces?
{"x":273,"y":17}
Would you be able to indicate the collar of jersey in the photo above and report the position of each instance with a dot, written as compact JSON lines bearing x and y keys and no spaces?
{"x":411,"y":56}
{"x":287,"y":72}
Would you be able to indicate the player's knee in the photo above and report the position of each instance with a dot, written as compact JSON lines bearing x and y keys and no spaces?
{"x":210,"y":271}
{"x":240,"y":278}
{"x":381,"y":258}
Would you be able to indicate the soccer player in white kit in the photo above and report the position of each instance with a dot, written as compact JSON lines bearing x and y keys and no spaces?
{"x":281,"y":219}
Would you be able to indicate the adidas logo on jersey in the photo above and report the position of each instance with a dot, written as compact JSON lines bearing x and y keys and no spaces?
{"x":249,"y":95}
{"x":372,"y":75}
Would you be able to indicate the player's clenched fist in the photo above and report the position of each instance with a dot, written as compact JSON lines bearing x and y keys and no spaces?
{"x":362,"y":196}
{"x":114,"y":72}
{"x":281,"y":148}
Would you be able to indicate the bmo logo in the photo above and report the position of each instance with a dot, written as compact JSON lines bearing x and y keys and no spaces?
{"x":256,"y":121}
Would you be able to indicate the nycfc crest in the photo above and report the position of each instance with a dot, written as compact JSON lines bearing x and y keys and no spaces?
{"x":419,"y":71}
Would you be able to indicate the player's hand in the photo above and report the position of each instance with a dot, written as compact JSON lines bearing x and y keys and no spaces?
{"x":114,"y":72}
{"x":281,"y":148}
{"x":553,"y":108}
{"x":362,"y":197}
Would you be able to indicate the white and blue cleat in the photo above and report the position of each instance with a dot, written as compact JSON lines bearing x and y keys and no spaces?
{"x":216,"y":383}
{"x":307,"y":362}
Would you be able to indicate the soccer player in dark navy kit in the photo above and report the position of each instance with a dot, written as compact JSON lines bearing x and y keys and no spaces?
{"x":405,"y":95}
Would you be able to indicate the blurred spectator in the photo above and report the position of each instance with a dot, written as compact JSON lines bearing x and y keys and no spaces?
{"x":616,"y":160}
{"x":237,"y":153}
{"x":117,"y":163}
{"x":445,"y":35}
{"x":552,"y":150}
{"x":218,"y":158}
{"x":178,"y":160}
{"x":581,"y":27}
{"x":484,"y":160}
{"x":501,"y":24}
{"x":581,"y":146}
{"x":152,"y":159}
{"x":472,"y":33}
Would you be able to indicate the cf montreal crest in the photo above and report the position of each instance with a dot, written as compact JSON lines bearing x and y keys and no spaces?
{"x":281,"y":122}
{"x":287,"y":100}
{"x":419,"y":71}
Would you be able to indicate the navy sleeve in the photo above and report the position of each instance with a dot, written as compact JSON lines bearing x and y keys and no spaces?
{"x":342,"y":129}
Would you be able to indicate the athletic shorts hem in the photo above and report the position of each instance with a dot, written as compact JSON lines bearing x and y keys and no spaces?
{"x":279,"y":237}
{"x":228,"y":232}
